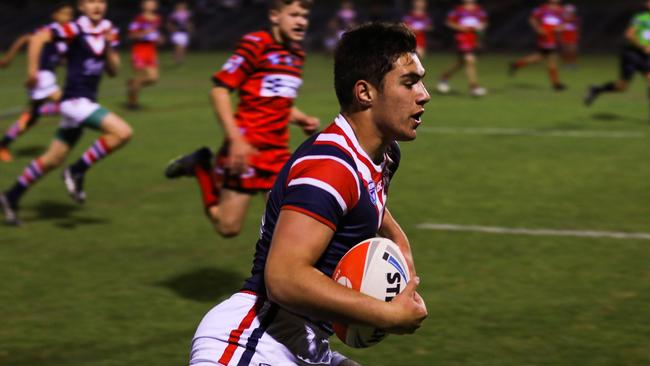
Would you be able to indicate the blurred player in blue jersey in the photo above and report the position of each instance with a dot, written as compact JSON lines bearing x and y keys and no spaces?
{"x":180,"y":26}
{"x":635,"y":57}
{"x":90,"y":53}
{"x":44,"y":93}
{"x":329,"y":196}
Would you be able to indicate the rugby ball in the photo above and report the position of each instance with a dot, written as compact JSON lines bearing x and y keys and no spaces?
{"x":375,"y":267}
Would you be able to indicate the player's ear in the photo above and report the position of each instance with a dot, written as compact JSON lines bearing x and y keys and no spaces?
{"x":364,"y":93}
{"x":274,"y":16}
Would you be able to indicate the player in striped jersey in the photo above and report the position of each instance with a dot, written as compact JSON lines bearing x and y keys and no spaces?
{"x":44,"y":93}
{"x":145,"y":33}
{"x":266,"y":69}
{"x":329,"y":196}
{"x":547,"y":21}
{"x":91,"y":40}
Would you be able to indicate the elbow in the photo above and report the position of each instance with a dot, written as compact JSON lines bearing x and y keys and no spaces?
{"x":278,"y":288}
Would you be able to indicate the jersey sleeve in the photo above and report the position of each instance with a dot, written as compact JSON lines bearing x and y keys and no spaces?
{"x":322,"y":187}
{"x":64,"y":32}
{"x":240,"y":65}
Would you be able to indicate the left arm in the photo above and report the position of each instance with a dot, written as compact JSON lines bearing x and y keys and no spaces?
{"x":19,"y":43}
{"x":390,"y":229}
{"x":309,"y":124}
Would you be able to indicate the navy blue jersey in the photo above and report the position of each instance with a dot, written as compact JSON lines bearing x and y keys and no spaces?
{"x":331,"y":179}
{"x":52,"y":52}
{"x":86,"y":55}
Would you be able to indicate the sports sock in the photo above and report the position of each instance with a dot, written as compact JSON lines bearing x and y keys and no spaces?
{"x":49,"y":108}
{"x":519,"y":64}
{"x":607,"y":87}
{"x":207,"y":185}
{"x":95,"y":152}
{"x":32,"y":173}
{"x":16,"y":129}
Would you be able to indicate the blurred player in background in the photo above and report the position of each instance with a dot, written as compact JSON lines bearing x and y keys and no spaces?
{"x":419,"y":21}
{"x":180,"y":26}
{"x":144,"y":32}
{"x":266,"y":69}
{"x":468,"y":20}
{"x":44,"y":93}
{"x":570,"y":36}
{"x":90,"y":40}
{"x":328,"y":197}
{"x":635,"y":57}
{"x":346,"y":17}
{"x":547,"y":21}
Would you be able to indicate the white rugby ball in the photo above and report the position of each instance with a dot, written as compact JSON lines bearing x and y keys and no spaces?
{"x":375,"y":267}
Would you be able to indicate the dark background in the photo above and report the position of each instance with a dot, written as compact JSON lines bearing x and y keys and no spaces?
{"x":221,"y":22}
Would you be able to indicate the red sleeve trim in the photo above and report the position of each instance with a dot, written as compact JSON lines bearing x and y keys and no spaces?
{"x":314,"y":216}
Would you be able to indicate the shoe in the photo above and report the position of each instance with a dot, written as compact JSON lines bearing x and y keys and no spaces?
{"x":183,"y":166}
{"x":591,"y":96}
{"x":74,"y":183}
{"x":512,"y":69}
{"x":478,"y":91}
{"x":5,"y":155}
{"x":9,"y":211}
{"x":443,"y":87}
{"x":559,"y":87}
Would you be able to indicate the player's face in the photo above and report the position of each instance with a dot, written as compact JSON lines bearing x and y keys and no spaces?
{"x":400,"y":105}
{"x":291,"y":21}
{"x":63,"y":15}
{"x":647,"y":5}
{"x":93,"y":9}
{"x":149,"y":5}
{"x":420,"y":6}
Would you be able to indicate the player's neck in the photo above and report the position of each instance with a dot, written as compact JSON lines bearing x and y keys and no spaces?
{"x":367,"y":134}
{"x":277,"y":35}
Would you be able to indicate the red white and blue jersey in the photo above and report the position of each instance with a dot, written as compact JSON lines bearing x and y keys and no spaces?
{"x":142,"y":24}
{"x":85,"y":54}
{"x":331,"y":179}
{"x":52,"y":52}
{"x":473,"y":18}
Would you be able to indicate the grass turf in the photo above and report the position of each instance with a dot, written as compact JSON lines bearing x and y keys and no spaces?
{"x":126,"y":278}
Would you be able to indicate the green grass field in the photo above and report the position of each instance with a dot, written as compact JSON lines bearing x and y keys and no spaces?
{"x":125,"y":278}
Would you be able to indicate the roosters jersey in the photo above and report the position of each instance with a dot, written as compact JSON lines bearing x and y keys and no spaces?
{"x":85,"y":54}
{"x":550,"y":19}
{"x":473,"y":19}
{"x":180,"y":20}
{"x":268,"y":75}
{"x":331,"y":179}
{"x":143,"y":24}
{"x":52,"y":52}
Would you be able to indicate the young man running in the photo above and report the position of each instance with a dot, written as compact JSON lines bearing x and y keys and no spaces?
{"x":266,"y":69}
{"x":144,"y":32}
{"x":468,"y":21}
{"x":328,"y":197}
{"x":570,"y":36}
{"x":635,"y":57}
{"x":90,"y":40}
{"x":419,"y":21}
{"x":547,"y":21}
{"x":44,"y":93}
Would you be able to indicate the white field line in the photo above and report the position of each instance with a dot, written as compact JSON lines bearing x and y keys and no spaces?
{"x":534,"y":232}
{"x":528,"y":132}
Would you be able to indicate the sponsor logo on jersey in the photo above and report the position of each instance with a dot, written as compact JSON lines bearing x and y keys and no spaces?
{"x":372,"y":190}
{"x":93,"y":67}
{"x":278,"y":85}
{"x":233,"y":63}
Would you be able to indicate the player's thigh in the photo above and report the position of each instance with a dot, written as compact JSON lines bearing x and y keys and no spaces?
{"x":469,"y":58}
{"x":114,"y":125}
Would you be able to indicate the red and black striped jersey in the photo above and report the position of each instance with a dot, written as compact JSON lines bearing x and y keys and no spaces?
{"x":267,"y":75}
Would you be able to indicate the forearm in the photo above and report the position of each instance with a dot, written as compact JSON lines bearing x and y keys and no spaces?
{"x":630,"y":35}
{"x":34,"y":50}
{"x":16,"y":46}
{"x":220,"y":97}
{"x":454,"y":26}
{"x":307,"y":291}
{"x":390,"y":229}
{"x":296,"y":115}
